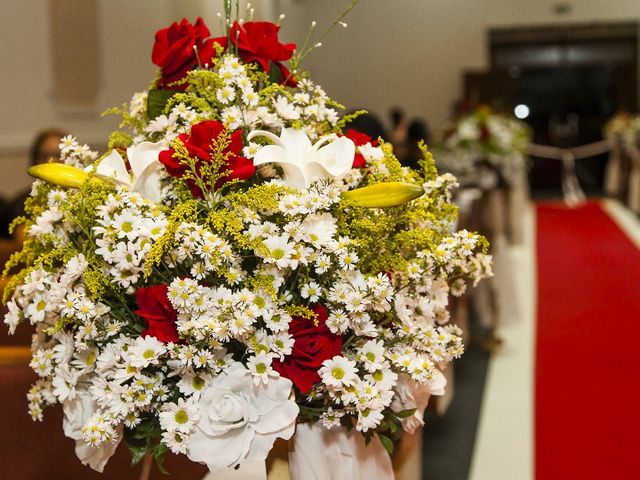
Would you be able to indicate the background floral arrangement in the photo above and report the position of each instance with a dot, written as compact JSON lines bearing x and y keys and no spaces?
{"x":208,"y":282}
{"x":484,"y":136}
{"x":623,"y":127}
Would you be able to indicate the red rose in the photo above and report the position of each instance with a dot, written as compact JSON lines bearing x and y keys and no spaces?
{"x":198,"y":144}
{"x":449,"y":132}
{"x":154,"y":306}
{"x":359,"y":139}
{"x":174,"y":51}
{"x":485,"y":134}
{"x":312,"y":346}
{"x":258,"y":42}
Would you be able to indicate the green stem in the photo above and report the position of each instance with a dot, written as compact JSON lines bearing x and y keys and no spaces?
{"x":227,"y":20}
{"x":147,"y":461}
{"x":304,"y":54}
{"x":306,"y":50}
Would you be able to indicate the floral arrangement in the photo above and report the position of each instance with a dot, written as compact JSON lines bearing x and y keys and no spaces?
{"x":484,"y":136}
{"x":623,"y":128}
{"x":226,"y":270}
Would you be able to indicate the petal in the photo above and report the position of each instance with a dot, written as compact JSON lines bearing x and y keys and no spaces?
{"x":297,"y":146}
{"x":219,"y":452}
{"x":96,"y":458}
{"x":142,"y":156}
{"x":262,"y":444}
{"x":437,"y":385}
{"x":280,"y":419}
{"x":293,"y":174}
{"x":314,"y":171}
{"x":149,"y":184}
{"x":264,"y":133}
{"x":337,"y":157}
{"x":269,"y":154}
{"x":113,"y":167}
{"x":303,"y":378}
{"x":203,"y":133}
{"x":201,"y":29}
{"x":279,"y":389}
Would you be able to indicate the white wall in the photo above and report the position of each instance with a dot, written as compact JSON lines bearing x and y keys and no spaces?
{"x":411,"y":53}
{"x":394,"y":52}
{"x":125,"y":35}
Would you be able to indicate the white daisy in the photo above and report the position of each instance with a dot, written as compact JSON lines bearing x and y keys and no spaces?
{"x":145,"y":351}
{"x":179,"y":417}
{"x":338,"y":372}
{"x":260,"y":367}
{"x":311,"y":291}
{"x":280,"y":250}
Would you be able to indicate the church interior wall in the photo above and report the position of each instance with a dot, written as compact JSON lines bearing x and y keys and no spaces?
{"x":407,"y":53}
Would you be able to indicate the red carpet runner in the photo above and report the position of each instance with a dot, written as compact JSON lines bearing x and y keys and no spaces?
{"x":587,"y":414}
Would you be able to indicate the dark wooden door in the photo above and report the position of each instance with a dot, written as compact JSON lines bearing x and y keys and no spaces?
{"x":572,"y":78}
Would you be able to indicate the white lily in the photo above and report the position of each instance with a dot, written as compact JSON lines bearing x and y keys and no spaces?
{"x":303,"y":162}
{"x":146,"y":169}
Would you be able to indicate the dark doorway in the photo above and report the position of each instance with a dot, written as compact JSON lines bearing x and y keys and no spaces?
{"x":568,"y":107}
{"x":572,"y":78}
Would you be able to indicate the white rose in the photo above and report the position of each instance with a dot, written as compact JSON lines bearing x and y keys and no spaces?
{"x":240,"y":420}
{"x":76,"y":413}
{"x":411,"y":394}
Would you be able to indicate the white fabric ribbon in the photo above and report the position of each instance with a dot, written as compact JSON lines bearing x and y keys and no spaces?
{"x":76,"y":413}
{"x":613,"y":173}
{"x":634,"y":179}
{"x":320,"y":454}
{"x":247,"y":470}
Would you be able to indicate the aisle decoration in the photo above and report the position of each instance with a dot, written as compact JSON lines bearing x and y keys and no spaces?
{"x":623,"y":128}
{"x":223,"y":271}
{"x":483,"y":137}
{"x":622,"y":173}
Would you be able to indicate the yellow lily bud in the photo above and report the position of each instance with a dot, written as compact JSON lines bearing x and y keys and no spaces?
{"x":385,"y":194}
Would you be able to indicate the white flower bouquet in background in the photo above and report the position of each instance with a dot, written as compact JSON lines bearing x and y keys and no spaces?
{"x":484,"y":137}
{"x":622,"y":128}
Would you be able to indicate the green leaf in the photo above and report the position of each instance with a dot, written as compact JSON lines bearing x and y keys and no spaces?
{"x":386,"y":443}
{"x":384,"y":425}
{"x":157,"y":100}
{"x":393,"y":427}
{"x":406,"y":413}
{"x":158,"y":453}
{"x":275,"y":75}
{"x":139,"y":434}
{"x":137,"y":452}
{"x":138,"y":439}
{"x":347,"y":422}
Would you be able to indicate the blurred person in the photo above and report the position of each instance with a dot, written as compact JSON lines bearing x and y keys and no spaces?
{"x":416,"y":132}
{"x":45,"y":148}
{"x":399,"y":130}
{"x":369,"y":124}
{"x":5,"y":218}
